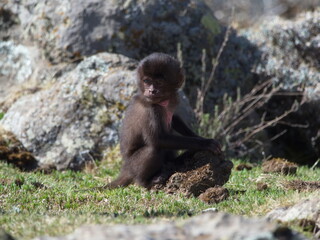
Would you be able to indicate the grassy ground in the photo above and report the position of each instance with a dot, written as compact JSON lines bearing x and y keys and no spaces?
{"x":33,"y":204}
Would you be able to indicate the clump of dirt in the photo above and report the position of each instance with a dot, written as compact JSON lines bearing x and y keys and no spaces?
{"x":262,"y":186}
{"x":19,"y":182}
{"x":279,"y":165}
{"x":194,"y":173}
{"x":214,"y":195}
{"x":12,"y":151}
{"x":38,"y":185}
{"x":302,"y":185}
{"x":244,"y":166}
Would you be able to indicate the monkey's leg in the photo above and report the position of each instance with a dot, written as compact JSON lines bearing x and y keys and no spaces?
{"x":147,"y":164}
{"x":168,"y":167}
{"x":122,"y":181}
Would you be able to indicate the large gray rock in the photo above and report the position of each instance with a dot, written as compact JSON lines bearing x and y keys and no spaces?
{"x":8,"y":23}
{"x":285,"y":51}
{"x":300,"y":38}
{"x":305,"y":213}
{"x":248,"y":13}
{"x":17,"y":64}
{"x":23,"y":70}
{"x":71,"y":29}
{"x":213,"y":226}
{"x":74,"y":118}
{"x":290,"y":57}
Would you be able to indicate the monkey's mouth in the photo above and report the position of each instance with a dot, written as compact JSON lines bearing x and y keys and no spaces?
{"x":154,"y":99}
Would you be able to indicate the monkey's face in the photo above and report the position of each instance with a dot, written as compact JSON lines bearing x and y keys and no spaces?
{"x":159,"y":77}
{"x":155,"y":89}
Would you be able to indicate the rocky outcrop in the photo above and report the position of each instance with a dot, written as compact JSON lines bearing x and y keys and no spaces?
{"x":290,"y":50}
{"x":249,"y":13}
{"x":74,"y":29}
{"x":76,"y":116}
{"x":69,"y":122}
{"x":305,"y":213}
{"x":17,"y":63}
{"x":38,"y":34}
{"x":23,"y":71}
{"x":213,"y":226}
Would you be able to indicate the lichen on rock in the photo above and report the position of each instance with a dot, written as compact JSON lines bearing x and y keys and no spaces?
{"x":72,"y":120}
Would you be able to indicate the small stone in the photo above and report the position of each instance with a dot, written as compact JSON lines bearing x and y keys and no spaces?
{"x":304,"y":213}
{"x":210,"y":210}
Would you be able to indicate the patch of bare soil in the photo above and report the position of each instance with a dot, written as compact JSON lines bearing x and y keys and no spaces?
{"x":244,"y":166}
{"x":194,"y":173}
{"x":279,"y":165}
{"x":302,"y":185}
{"x":214,"y":195}
{"x":12,"y":151}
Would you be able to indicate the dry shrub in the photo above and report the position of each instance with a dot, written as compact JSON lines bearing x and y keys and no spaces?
{"x":235,"y":122}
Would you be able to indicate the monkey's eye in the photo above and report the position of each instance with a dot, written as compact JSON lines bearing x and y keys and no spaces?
{"x":147,"y":80}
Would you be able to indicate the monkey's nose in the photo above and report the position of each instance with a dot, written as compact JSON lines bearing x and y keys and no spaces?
{"x":153,"y":91}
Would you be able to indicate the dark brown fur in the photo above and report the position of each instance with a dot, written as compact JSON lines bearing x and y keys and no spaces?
{"x":147,"y":141}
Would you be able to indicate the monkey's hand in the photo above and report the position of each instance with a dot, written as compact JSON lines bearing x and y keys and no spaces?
{"x":214,"y":147}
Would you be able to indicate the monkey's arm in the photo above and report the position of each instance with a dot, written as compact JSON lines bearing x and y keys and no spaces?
{"x":178,"y":125}
{"x":170,"y":141}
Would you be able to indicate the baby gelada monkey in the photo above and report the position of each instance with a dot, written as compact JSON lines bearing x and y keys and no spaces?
{"x":147,"y":141}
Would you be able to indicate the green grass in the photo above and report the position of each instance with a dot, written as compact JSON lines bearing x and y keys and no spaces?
{"x":34,"y":204}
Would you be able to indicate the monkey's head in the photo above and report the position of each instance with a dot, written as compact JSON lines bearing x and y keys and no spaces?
{"x":159,"y":77}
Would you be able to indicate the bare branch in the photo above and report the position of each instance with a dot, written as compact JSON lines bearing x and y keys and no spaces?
{"x":263,"y":125}
{"x":278,"y":135}
{"x":215,"y":62}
